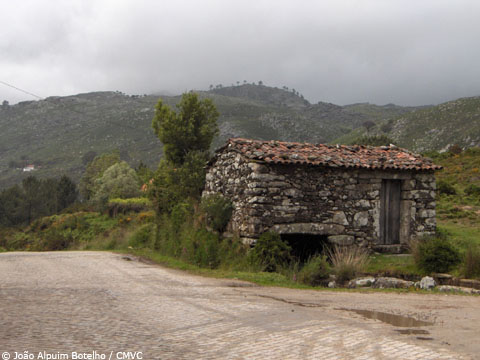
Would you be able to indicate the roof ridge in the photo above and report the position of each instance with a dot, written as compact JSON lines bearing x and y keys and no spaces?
{"x":358,"y":156}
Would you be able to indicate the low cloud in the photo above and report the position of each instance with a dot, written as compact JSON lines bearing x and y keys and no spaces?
{"x":404,"y":52}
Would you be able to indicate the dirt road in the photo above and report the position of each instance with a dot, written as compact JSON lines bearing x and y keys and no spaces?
{"x":99,"y":305}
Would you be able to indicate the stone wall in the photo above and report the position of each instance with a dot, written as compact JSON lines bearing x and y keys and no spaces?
{"x":341,"y":203}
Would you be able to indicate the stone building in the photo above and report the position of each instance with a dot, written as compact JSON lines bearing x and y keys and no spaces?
{"x":375,"y":197}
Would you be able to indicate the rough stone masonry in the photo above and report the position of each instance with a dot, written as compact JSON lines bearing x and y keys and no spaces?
{"x":334,"y":191}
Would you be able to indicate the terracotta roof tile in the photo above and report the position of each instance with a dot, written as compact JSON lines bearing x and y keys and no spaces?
{"x":355,"y":156}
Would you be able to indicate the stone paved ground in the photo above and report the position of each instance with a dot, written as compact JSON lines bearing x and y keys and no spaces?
{"x":86,"y":301}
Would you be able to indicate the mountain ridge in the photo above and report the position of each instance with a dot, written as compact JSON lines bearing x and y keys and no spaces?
{"x":55,"y":134}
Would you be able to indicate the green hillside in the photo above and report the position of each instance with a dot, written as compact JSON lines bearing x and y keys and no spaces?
{"x":439,"y":127}
{"x":56,"y":133}
{"x":432,"y":128}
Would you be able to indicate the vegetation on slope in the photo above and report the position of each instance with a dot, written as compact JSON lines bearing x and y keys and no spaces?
{"x":433,"y":128}
{"x":59,"y":135}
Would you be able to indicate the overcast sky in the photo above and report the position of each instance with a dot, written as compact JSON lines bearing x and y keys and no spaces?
{"x":407,"y":52}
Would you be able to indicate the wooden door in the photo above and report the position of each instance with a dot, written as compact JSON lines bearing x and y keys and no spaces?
{"x":390,"y":211}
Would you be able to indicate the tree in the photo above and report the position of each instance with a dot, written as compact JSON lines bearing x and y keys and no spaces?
{"x":34,"y":204}
{"x":12,"y":206}
{"x":186,"y":137}
{"x":94,"y":171}
{"x":5,"y":104}
{"x":144,"y":173}
{"x":191,"y":129}
{"x":118,"y":181}
{"x":66,"y":193}
{"x":49,"y":197}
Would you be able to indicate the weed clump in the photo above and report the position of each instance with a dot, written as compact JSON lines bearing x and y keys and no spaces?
{"x":472,"y":190}
{"x":348,"y":261}
{"x":315,"y":271}
{"x":445,"y":188}
{"x":471,"y":262}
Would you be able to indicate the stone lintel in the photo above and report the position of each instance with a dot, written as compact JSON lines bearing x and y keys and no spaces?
{"x":342,"y":240}
{"x":308,"y":228}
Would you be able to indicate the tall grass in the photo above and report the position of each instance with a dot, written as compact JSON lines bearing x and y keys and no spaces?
{"x":348,"y":261}
{"x":471,"y":264}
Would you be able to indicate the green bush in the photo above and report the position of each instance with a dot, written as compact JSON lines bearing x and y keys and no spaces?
{"x":143,"y":237}
{"x":207,"y":246}
{"x":473,"y":190}
{"x":445,"y":188}
{"x":53,"y":240}
{"x":218,"y":211}
{"x":123,"y":206}
{"x":315,"y":271}
{"x":18,"y":241}
{"x":181,"y":212}
{"x":270,"y":253}
{"x":435,"y":254}
{"x":471,"y":262}
{"x":233,"y":254}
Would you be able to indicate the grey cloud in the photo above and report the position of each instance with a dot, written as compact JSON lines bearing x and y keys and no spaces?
{"x":405,"y":52}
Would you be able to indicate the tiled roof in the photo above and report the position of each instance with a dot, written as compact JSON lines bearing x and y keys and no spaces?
{"x":355,"y":156}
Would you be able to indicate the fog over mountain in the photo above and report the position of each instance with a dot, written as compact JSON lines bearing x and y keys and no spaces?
{"x":403,"y":52}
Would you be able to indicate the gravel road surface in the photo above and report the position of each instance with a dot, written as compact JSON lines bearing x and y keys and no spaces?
{"x":102,"y":305}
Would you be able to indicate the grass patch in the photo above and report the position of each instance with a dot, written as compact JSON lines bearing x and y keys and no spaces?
{"x":392,"y":265}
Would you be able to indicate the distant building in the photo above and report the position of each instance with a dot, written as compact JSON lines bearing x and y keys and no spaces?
{"x":374,"y":197}
{"x":29,"y":168}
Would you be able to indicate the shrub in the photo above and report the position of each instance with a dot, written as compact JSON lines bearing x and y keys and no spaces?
{"x":435,"y":254}
{"x":233,"y":254}
{"x":143,"y":237}
{"x":207,"y":252}
{"x":455,"y":149}
{"x":374,"y":140}
{"x":218,"y":210}
{"x":55,"y":240}
{"x":472,"y":189}
{"x":471,"y":262}
{"x":200,"y":247}
{"x":348,"y":261}
{"x":445,"y":188}
{"x":123,"y":206}
{"x":18,"y":241}
{"x":270,"y":252}
{"x":315,"y":271}
{"x":181,"y":212}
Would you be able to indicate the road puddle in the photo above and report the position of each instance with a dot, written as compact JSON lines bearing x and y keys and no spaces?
{"x":392,"y":319}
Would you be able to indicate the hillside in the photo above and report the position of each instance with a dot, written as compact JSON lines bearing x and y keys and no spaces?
{"x":56,"y":133}
{"x":439,"y":127}
{"x":432,"y":128}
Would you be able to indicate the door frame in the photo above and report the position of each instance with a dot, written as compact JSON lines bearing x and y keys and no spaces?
{"x":391,"y":213}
